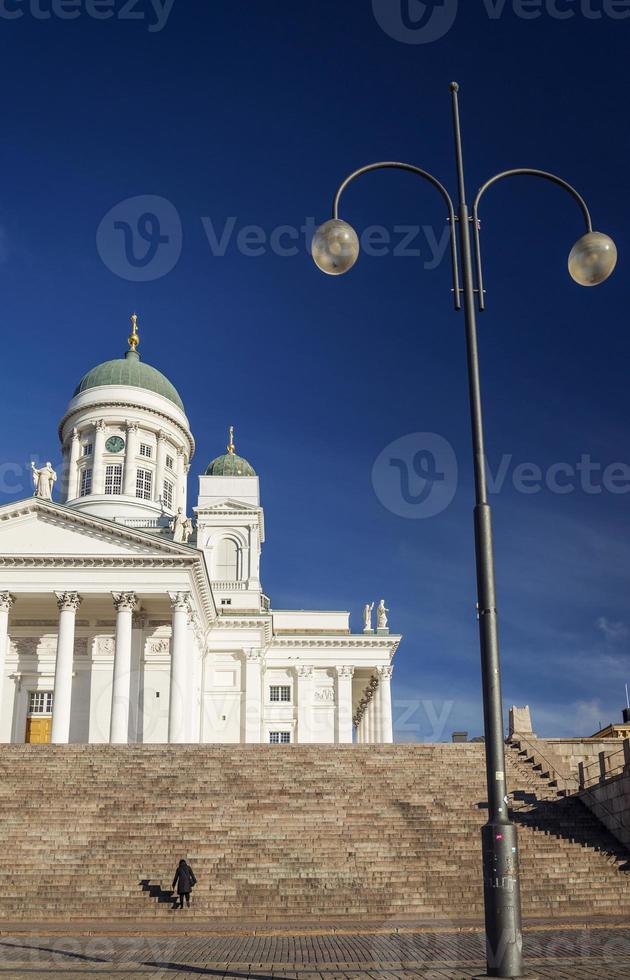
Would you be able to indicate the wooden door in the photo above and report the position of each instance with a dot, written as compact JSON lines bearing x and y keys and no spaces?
{"x":38,"y":730}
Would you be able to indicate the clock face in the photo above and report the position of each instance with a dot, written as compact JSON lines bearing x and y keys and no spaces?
{"x":115,"y":444}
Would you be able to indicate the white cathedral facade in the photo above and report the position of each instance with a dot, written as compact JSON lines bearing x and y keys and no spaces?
{"x":121,"y":621}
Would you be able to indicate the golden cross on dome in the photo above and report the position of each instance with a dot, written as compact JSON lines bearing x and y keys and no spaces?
{"x":231,"y":447}
{"x":133,"y":339}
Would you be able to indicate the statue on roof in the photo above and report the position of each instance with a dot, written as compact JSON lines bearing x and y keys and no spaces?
{"x":43,"y":480}
{"x":181,"y":526}
{"x":381,"y":615}
{"x":367,"y":617}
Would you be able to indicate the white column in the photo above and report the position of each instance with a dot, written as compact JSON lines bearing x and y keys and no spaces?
{"x":136,"y":692}
{"x":6,"y":601}
{"x":190,"y":716}
{"x":131,"y":451}
{"x":362,"y":723}
{"x":125,"y":603}
{"x":343,"y":726}
{"x":98,"y":465}
{"x":373,"y":689}
{"x":68,"y":603}
{"x":160,"y":467}
{"x":195,"y":685}
{"x":180,"y":605}
{"x":70,"y":481}
{"x":305,"y":703}
{"x":376,"y":718}
{"x":386,"y":728}
{"x":372,"y":712}
{"x":182,"y":470}
{"x":253,"y":695}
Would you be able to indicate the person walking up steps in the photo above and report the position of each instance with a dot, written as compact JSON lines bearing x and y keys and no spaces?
{"x":184,"y":879}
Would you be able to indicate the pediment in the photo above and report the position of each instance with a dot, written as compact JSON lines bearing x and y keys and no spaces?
{"x":37,"y":527}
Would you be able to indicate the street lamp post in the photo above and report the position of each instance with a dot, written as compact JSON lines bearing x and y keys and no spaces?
{"x":335,"y":249}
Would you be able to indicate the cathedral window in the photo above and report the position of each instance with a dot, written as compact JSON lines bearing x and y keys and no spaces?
{"x":226,"y":562}
{"x":280,"y":692}
{"x":170,"y":462}
{"x":167,"y":495}
{"x":113,"y":478}
{"x":143,"y":484}
{"x":85,"y":488}
{"x":146,"y":450}
{"x":279,"y":738}
{"x":87,"y":448}
{"x":40,"y":702}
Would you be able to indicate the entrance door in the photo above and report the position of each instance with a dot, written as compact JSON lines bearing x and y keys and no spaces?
{"x":39,"y":720}
{"x":38,"y":730}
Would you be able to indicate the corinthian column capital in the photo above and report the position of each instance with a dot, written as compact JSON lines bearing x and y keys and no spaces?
{"x":180,"y":601}
{"x":125,"y":601}
{"x":68,"y":601}
{"x":6,"y":601}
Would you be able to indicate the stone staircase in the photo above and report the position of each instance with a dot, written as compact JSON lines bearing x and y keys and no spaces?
{"x":285,"y":833}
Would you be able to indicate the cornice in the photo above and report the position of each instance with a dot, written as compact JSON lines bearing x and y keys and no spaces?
{"x":251,"y":622}
{"x":390,"y":643}
{"x":126,"y":562}
{"x":94,"y":561}
{"x":228,"y":505}
{"x":249,"y":514}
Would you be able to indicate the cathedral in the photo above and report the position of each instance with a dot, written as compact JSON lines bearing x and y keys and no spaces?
{"x":122,"y":619}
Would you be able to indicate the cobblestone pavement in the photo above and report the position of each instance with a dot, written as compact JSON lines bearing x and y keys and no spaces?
{"x":562,"y":955}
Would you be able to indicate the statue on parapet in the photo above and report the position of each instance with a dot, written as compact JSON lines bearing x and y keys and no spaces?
{"x":367,"y":617}
{"x":381,"y":615}
{"x":43,"y":480}
{"x":181,"y":526}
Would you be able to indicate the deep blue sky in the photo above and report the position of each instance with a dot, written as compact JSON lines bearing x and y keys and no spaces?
{"x":254,"y":112}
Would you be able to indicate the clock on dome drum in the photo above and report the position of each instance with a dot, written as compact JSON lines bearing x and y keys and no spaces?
{"x":115,"y":444}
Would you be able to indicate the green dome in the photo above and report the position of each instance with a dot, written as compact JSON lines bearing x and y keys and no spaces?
{"x":230,"y":465}
{"x":130,"y":370}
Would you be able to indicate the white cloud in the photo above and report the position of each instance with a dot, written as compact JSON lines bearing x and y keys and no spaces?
{"x":613,"y":631}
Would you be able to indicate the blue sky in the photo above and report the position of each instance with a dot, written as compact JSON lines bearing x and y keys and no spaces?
{"x":249,"y":114}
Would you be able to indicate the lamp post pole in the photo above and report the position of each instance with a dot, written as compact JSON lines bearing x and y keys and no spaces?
{"x":499,"y":843}
{"x":335,"y":250}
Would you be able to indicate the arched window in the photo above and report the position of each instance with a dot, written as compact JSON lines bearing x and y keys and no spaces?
{"x":226,"y":561}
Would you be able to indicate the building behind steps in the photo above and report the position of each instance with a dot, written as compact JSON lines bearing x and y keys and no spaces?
{"x":122,"y":622}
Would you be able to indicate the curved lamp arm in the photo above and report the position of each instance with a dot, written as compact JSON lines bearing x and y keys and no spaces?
{"x":394,"y":165}
{"x":527,"y":172}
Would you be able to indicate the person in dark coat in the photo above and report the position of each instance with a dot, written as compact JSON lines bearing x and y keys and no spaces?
{"x":184,"y":879}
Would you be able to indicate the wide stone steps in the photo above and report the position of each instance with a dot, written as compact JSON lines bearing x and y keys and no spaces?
{"x":281,"y":831}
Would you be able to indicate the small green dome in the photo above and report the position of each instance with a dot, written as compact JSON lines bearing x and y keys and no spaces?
{"x":230,"y":465}
{"x":130,"y":370}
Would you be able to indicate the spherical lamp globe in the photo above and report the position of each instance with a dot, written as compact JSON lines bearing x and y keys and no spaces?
{"x":335,"y":247}
{"x":592,"y":259}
